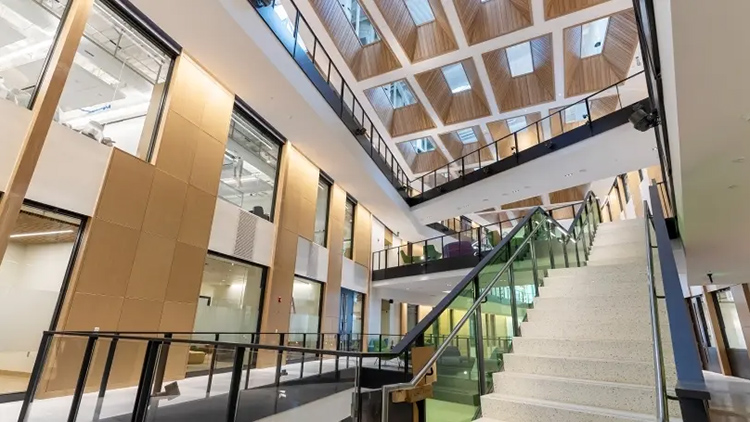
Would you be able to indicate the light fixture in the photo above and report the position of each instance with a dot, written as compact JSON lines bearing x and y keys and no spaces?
{"x":446,"y":291}
{"x":739,"y":160}
{"x":16,"y":236}
{"x":569,"y":174}
{"x":520,"y":60}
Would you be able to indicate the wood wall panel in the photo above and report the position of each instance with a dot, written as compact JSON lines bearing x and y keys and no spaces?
{"x":146,"y":271}
{"x":362,"y":236}
{"x":332,"y":290}
{"x":535,"y":201}
{"x":526,"y":90}
{"x":484,"y":21}
{"x":600,"y":71}
{"x":556,"y":8}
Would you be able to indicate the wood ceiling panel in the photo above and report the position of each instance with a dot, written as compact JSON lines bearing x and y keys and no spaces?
{"x":381,"y":104}
{"x":534,"y":201}
{"x":454,"y":145}
{"x":28,"y":222}
{"x":410,"y":119}
{"x":597,"y":72}
{"x":455,"y":108}
{"x":485,"y":21}
{"x":421,"y":162}
{"x":599,"y":107}
{"x":556,"y":8}
{"x":512,"y":93}
{"x":526,"y":138}
{"x":565,"y":213}
{"x":458,"y":149}
{"x":562,"y":196}
{"x":364,"y":62}
{"x":398,"y":19}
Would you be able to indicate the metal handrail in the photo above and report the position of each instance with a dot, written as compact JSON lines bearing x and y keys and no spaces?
{"x":662,"y":408}
{"x":387,"y":389}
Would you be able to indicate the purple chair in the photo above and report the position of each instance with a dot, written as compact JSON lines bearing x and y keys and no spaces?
{"x":462,"y":248}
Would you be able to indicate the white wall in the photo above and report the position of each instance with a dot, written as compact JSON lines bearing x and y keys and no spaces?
{"x":354,"y":276}
{"x":236,"y":232}
{"x":30,"y":280}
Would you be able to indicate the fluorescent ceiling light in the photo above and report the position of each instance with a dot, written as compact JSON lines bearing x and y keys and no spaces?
{"x":446,"y":291}
{"x":576,"y":113}
{"x":399,"y":94}
{"x":467,"y":136}
{"x":456,"y":78}
{"x":592,"y":37}
{"x":16,"y":236}
{"x":517,"y":123}
{"x":423,"y":145}
{"x":420,"y":11}
{"x":519,"y":59}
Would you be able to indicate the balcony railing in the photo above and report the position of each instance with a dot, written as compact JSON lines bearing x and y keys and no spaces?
{"x":295,"y":34}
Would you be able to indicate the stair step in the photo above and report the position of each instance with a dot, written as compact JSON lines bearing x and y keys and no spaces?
{"x":639,"y":351}
{"x":609,"y":395}
{"x":589,"y":316}
{"x":593,"y":331}
{"x":602,"y":304}
{"x":625,"y":290}
{"x":626,"y":371}
{"x":525,"y":409}
{"x":617,"y":272}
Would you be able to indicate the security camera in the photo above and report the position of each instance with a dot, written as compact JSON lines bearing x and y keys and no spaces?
{"x":710,"y":277}
{"x":643,"y":120}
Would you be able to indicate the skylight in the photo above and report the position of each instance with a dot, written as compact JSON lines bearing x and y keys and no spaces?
{"x":360,"y":22}
{"x":576,"y":113}
{"x":399,"y":94}
{"x":420,"y":11}
{"x":422,"y":145}
{"x":519,"y":59}
{"x":467,"y":136}
{"x":592,"y":37}
{"x":517,"y":123}
{"x":456,"y":78}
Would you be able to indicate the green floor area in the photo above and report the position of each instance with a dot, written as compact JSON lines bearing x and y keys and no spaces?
{"x":443,"y":411}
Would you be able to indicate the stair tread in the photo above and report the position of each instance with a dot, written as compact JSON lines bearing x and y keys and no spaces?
{"x":571,"y":407}
{"x":593,"y":360}
{"x":577,"y":381}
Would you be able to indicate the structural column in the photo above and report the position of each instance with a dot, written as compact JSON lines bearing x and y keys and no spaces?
{"x":47,"y":98}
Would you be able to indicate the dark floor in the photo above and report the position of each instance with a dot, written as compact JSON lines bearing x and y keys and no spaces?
{"x":254,"y":404}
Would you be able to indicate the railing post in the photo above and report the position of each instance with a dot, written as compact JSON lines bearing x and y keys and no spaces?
{"x":302,"y":364}
{"x":534,"y":268}
{"x":105,"y":377}
{"x":234,"y":384}
{"x":513,"y":310}
{"x":36,"y":375}
{"x":250,"y":356}
{"x":578,"y":256}
{"x":565,"y":240}
{"x":162,"y":364}
{"x":588,"y":112}
{"x":212,"y":367}
{"x":515,"y":145}
{"x":88,"y":354}
{"x":549,"y":244}
{"x":279,"y":357}
{"x":143,"y":395}
{"x":480,"y":340}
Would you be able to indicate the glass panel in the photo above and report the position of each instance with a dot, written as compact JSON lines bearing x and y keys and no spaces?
{"x":456,"y":78}
{"x":360,"y":22}
{"x":348,"y":229}
{"x":433,"y":249}
{"x":31,"y":275}
{"x":114,"y":92}
{"x":350,"y":319}
{"x":28,"y":31}
{"x":248,"y":173}
{"x":520,"y":59}
{"x":593,"y":35}
{"x":321,"y":213}
{"x":399,"y":94}
{"x":305,"y":310}
{"x":730,"y":318}
{"x":420,"y":11}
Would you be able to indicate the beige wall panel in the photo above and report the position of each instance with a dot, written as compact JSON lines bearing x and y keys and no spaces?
{"x":186,"y":274}
{"x":197,"y":216}
{"x":165,"y":205}
{"x":151,"y":268}
{"x":178,"y":316}
{"x":189,"y":84}
{"x":362,"y":236}
{"x":209,"y":156}
{"x":89,"y":311}
{"x":140,"y":315}
{"x":107,"y":259}
{"x":176,"y":149}
{"x":217,"y":113}
{"x":335,"y":258}
{"x":124,"y":196}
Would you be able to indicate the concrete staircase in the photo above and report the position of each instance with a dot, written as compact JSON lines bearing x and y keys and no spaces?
{"x":585,"y":351}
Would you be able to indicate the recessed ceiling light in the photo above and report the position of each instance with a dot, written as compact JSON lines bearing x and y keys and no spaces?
{"x":485,"y":200}
{"x":733,"y":186}
{"x":446,"y":291}
{"x":569,"y":174}
{"x":49,"y":233}
{"x":582,"y":170}
{"x":739,"y":160}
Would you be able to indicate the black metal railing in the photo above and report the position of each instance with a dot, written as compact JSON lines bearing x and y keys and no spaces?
{"x":476,"y":242}
{"x":295,"y":34}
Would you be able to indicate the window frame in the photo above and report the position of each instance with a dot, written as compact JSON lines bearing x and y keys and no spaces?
{"x":350,"y":200}
{"x":322,"y":178}
{"x":351,"y":25}
{"x":604,"y":39}
{"x":408,"y":88}
{"x":531,"y":55}
{"x":432,"y":12}
{"x":466,"y":76}
{"x":322,"y":285}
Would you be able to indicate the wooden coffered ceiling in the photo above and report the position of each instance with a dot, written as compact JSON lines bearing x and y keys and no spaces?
{"x":598,"y":107}
{"x":400,"y":121}
{"x":421,"y":162}
{"x":420,"y":42}
{"x":458,"y":149}
{"x":364,"y":61}
{"x":550,"y":201}
{"x":484,"y":21}
{"x":477,"y":34}
{"x":513,"y":93}
{"x":602,"y":70}
{"x":459,"y":107}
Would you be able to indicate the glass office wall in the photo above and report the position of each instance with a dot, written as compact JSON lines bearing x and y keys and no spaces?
{"x":115,"y":89}
{"x":32,"y":275}
{"x":28,"y":29}
{"x":730,"y":319}
{"x":351,"y":318}
{"x":321,"y":212}
{"x":305,"y":311}
{"x":249,"y":171}
{"x":230,"y":299}
{"x":349,"y":228}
